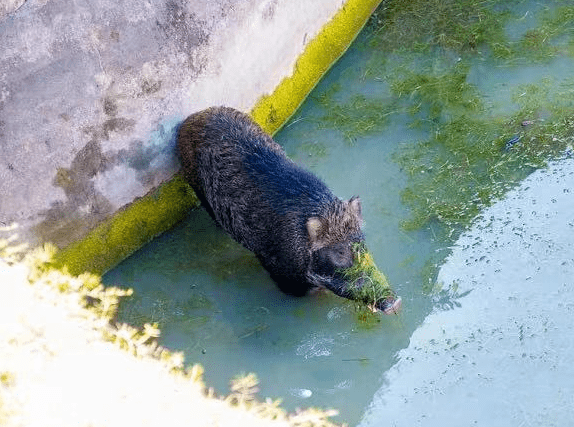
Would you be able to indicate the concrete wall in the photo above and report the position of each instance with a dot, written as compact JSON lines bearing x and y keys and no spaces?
{"x":91,"y":94}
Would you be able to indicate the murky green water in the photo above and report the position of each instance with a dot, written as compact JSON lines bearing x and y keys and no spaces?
{"x":429,"y":124}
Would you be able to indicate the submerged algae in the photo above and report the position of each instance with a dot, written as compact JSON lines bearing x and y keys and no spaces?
{"x":475,"y":27}
{"x":439,"y":95}
{"x":553,"y":36}
{"x":362,"y":115}
{"x":468,"y":162}
{"x":424,"y":60}
{"x":418,"y":25}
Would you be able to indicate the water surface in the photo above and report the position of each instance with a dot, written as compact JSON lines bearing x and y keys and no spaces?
{"x":503,"y":356}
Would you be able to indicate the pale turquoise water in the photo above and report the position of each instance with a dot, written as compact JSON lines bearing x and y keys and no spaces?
{"x":504,"y":357}
{"x":213,"y":301}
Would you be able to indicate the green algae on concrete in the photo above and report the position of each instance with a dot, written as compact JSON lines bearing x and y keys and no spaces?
{"x":272,"y":111}
{"x":129,"y":229}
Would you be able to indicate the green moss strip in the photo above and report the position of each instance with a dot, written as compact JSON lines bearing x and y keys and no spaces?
{"x":273,"y":111}
{"x":129,"y":229}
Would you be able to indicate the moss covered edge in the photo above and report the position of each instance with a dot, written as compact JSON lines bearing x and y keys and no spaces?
{"x":138,"y":223}
{"x":129,"y":229}
{"x":273,"y":111}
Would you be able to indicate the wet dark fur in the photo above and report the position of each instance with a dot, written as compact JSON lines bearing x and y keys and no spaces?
{"x":288,"y":217}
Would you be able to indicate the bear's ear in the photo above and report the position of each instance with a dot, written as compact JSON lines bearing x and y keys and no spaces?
{"x":355,"y":207}
{"x":315,"y":229}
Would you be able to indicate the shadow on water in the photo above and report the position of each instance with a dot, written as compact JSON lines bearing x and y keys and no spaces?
{"x":428,"y":124}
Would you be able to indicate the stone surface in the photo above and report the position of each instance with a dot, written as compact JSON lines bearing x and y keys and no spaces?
{"x":91,"y":94}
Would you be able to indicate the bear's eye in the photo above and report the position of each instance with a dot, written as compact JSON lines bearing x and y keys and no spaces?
{"x":341,"y":256}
